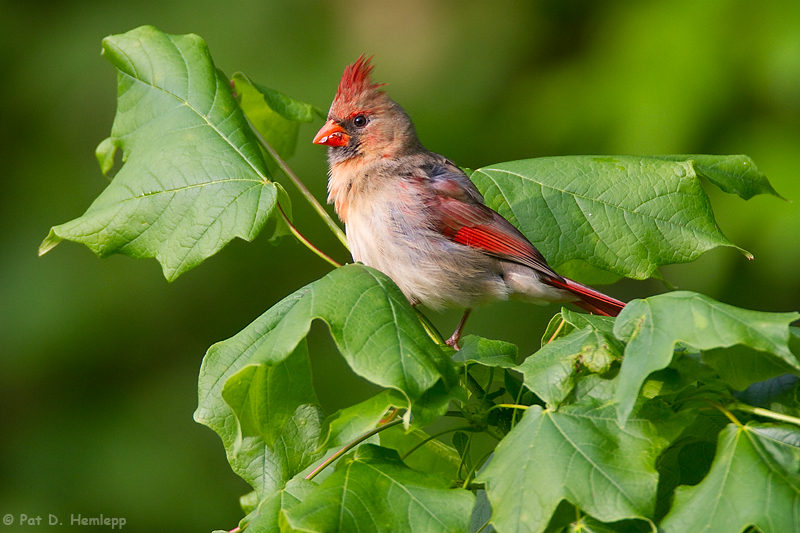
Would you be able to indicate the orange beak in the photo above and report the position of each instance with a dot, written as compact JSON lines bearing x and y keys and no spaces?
{"x":332,"y":134}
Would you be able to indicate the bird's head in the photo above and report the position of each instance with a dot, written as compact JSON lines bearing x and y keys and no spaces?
{"x":363,"y":121}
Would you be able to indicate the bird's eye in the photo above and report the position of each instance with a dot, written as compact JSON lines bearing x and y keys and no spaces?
{"x":360,"y":121}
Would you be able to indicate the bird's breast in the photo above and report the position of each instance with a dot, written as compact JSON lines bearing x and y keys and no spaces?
{"x":345,"y":184}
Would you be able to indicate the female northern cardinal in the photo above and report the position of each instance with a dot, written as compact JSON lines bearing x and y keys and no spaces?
{"x":415,"y":216}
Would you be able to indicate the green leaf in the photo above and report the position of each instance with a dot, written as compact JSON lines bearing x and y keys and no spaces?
{"x":754,"y":481}
{"x":375,"y":491}
{"x":264,"y":397}
{"x":577,"y":454}
{"x":487,"y":352}
{"x":193,"y":176}
{"x":346,"y":424}
{"x":604,"y":324}
{"x":551,"y":372}
{"x":481,"y":514}
{"x":600,"y":388}
{"x":734,"y":174}
{"x":377,"y":332}
{"x":266,"y":467}
{"x":226,"y":358}
{"x":651,"y":328}
{"x":276,"y":116}
{"x":624,"y":214}
{"x":683,"y":373}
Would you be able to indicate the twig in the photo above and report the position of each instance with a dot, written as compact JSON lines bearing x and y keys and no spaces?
{"x":305,"y":241}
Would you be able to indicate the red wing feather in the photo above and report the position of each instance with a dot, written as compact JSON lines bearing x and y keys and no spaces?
{"x":478,"y":226}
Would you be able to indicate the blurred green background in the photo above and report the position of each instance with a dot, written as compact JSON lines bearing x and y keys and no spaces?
{"x":99,"y":358}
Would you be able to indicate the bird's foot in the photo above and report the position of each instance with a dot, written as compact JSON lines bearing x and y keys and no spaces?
{"x":453,"y":341}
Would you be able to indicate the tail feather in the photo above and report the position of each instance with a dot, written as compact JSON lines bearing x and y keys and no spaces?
{"x":590,"y":299}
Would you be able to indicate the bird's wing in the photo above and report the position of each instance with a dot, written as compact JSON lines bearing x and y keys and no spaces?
{"x":456,"y":210}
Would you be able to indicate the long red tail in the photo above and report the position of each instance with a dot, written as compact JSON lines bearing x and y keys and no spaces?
{"x":590,"y":299}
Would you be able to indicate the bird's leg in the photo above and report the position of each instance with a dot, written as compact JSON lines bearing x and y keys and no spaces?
{"x":453,"y":340}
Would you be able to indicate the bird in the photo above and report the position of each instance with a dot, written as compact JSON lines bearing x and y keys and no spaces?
{"x":416,"y":216}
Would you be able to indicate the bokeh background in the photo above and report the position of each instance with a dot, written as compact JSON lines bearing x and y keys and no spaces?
{"x":99,"y":358}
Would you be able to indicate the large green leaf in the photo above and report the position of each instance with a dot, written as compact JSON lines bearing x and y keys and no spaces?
{"x":576,"y":453}
{"x":193,"y":176}
{"x":226,"y":358}
{"x":266,"y":452}
{"x":754,"y":481}
{"x":624,"y":214}
{"x":255,"y":389}
{"x":375,"y":492}
{"x":377,"y":332}
{"x":264,"y":397}
{"x":651,"y":328}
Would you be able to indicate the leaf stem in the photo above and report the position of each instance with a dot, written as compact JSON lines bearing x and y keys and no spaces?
{"x":475,"y":467}
{"x":484,"y":526}
{"x":430,"y":329}
{"x":350,"y":446}
{"x":474,"y":387}
{"x":724,"y":411}
{"x":516,"y":401}
{"x":305,"y":241}
{"x":488,"y":385}
{"x":766,"y":413}
{"x":508,"y":405}
{"x":301,"y":187}
{"x":464,"y":459}
{"x":560,"y":325}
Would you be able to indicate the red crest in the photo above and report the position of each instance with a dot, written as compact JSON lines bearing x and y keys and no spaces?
{"x":356,"y":80}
